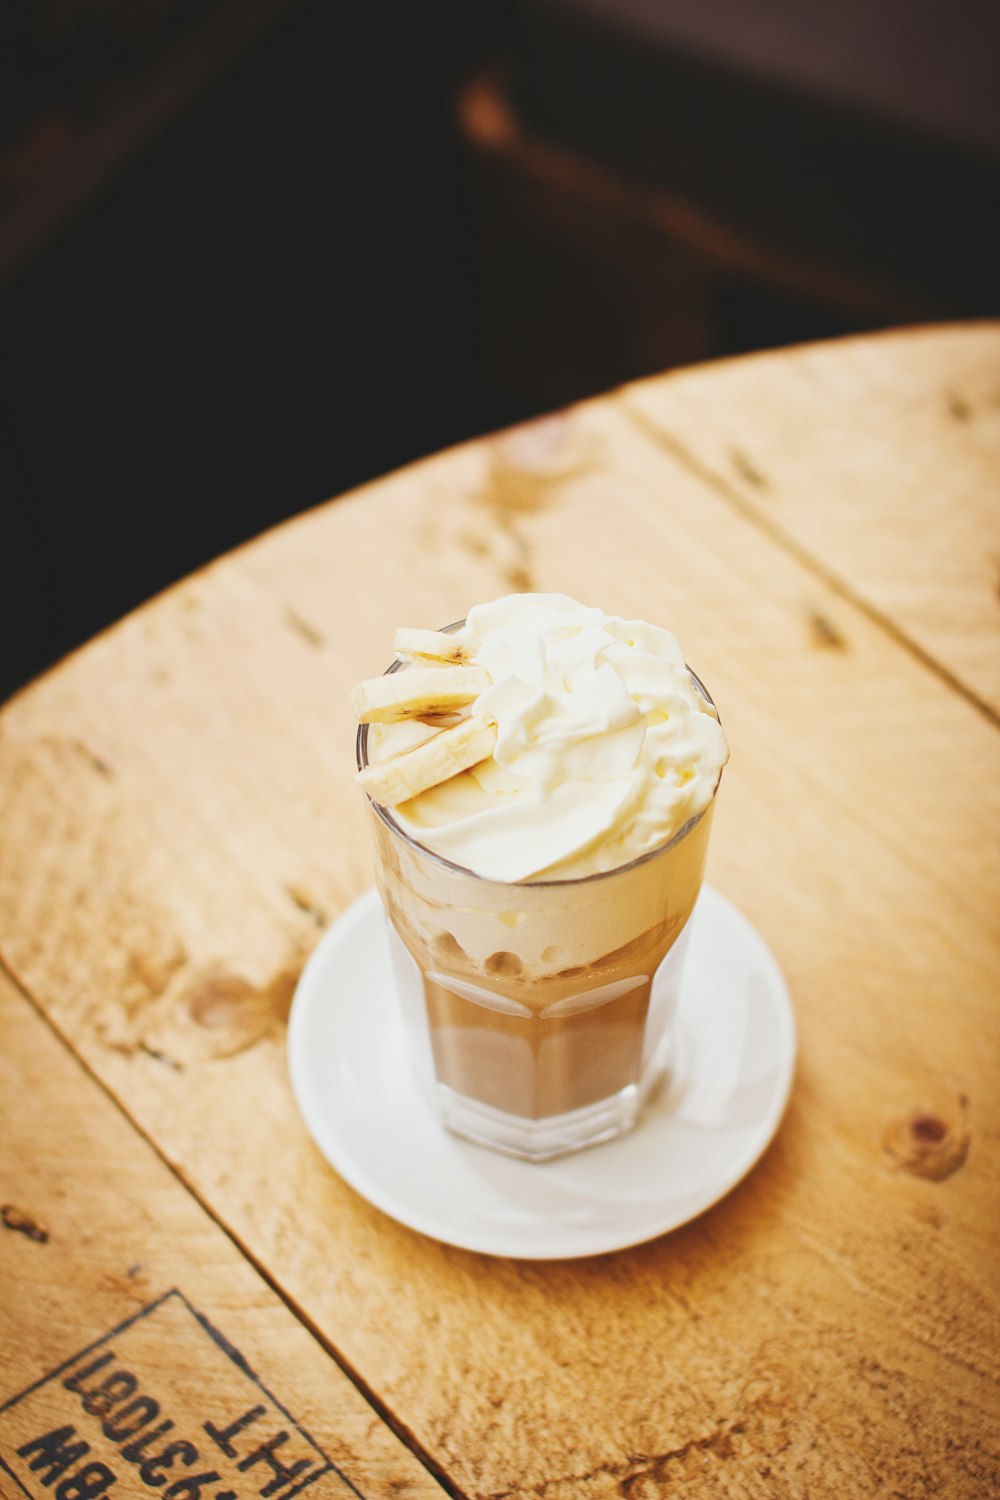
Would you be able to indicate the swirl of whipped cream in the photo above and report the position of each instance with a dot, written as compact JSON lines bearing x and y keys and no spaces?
{"x":605,"y":746}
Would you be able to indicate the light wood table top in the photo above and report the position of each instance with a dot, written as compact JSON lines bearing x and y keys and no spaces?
{"x":178,"y":824}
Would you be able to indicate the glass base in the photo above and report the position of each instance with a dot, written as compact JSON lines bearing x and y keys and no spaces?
{"x":542,"y":1140}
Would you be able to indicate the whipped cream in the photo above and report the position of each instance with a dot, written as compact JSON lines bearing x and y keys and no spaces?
{"x":605,"y":746}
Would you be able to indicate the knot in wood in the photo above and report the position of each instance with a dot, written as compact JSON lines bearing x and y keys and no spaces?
{"x":15,"y":1218}
{"x":222,"y":1000}
{"x":927,"y":1144}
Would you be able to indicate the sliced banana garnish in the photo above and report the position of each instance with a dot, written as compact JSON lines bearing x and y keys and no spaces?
{"x":432,"y":645}
{"x":429,"y":763}
{"x":416,"y":693}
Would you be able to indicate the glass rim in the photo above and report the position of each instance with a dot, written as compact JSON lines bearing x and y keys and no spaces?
{"x":361,"y":752}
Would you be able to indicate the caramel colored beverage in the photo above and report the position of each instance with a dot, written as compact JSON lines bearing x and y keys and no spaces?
{"x":542,"y":781}
{"x":540,"y":1012}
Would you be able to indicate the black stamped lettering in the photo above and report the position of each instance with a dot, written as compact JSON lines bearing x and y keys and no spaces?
{"x":283,"y":1474}
{"x":135,"y":1453}
{"x":190,"y":1488}
{"x":75,"y":1381}
{"x":117,"y":1387}
{"x":51,"y":1455}
{"x":224,"y":1439}
{"x":131,"y":1419}
{"x":90,"y":1482}
{"x":167,"y":1404}
{"x":154,"y":1471}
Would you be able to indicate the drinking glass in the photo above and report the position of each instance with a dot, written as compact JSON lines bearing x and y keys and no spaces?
{"x":539,"y":1013}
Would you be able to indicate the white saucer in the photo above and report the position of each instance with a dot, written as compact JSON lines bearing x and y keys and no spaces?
{"x":698,"y":1137}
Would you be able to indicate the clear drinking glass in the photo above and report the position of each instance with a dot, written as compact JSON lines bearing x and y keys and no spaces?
{"x":539,"y":1012}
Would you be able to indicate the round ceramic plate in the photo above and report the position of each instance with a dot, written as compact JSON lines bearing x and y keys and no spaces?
{"x":698,"y":1137}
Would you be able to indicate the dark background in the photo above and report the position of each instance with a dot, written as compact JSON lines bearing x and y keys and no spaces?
{"x":252,"y":254}
{"x":267,"y":303}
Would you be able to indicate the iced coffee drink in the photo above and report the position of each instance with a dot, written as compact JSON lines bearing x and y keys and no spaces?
{"x":541,"y":782}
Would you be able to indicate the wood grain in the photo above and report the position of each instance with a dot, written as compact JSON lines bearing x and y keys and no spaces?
{"x":877,"y":457}
{"x":96,"y":1233}
{"x":179,"y":823}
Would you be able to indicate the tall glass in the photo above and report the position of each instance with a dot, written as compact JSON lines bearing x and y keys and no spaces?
{"x":539,"y":1012}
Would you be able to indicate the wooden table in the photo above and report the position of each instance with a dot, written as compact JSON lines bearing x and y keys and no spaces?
{"x":181,"y":1274}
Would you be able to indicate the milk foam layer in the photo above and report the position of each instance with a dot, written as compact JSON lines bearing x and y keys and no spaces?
{"x":605,"y":746}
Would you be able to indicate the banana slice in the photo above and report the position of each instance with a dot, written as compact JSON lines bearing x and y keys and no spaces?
{"x":435,"y":645}
{"x":417,"y":692}
{"x":428,"y":764}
